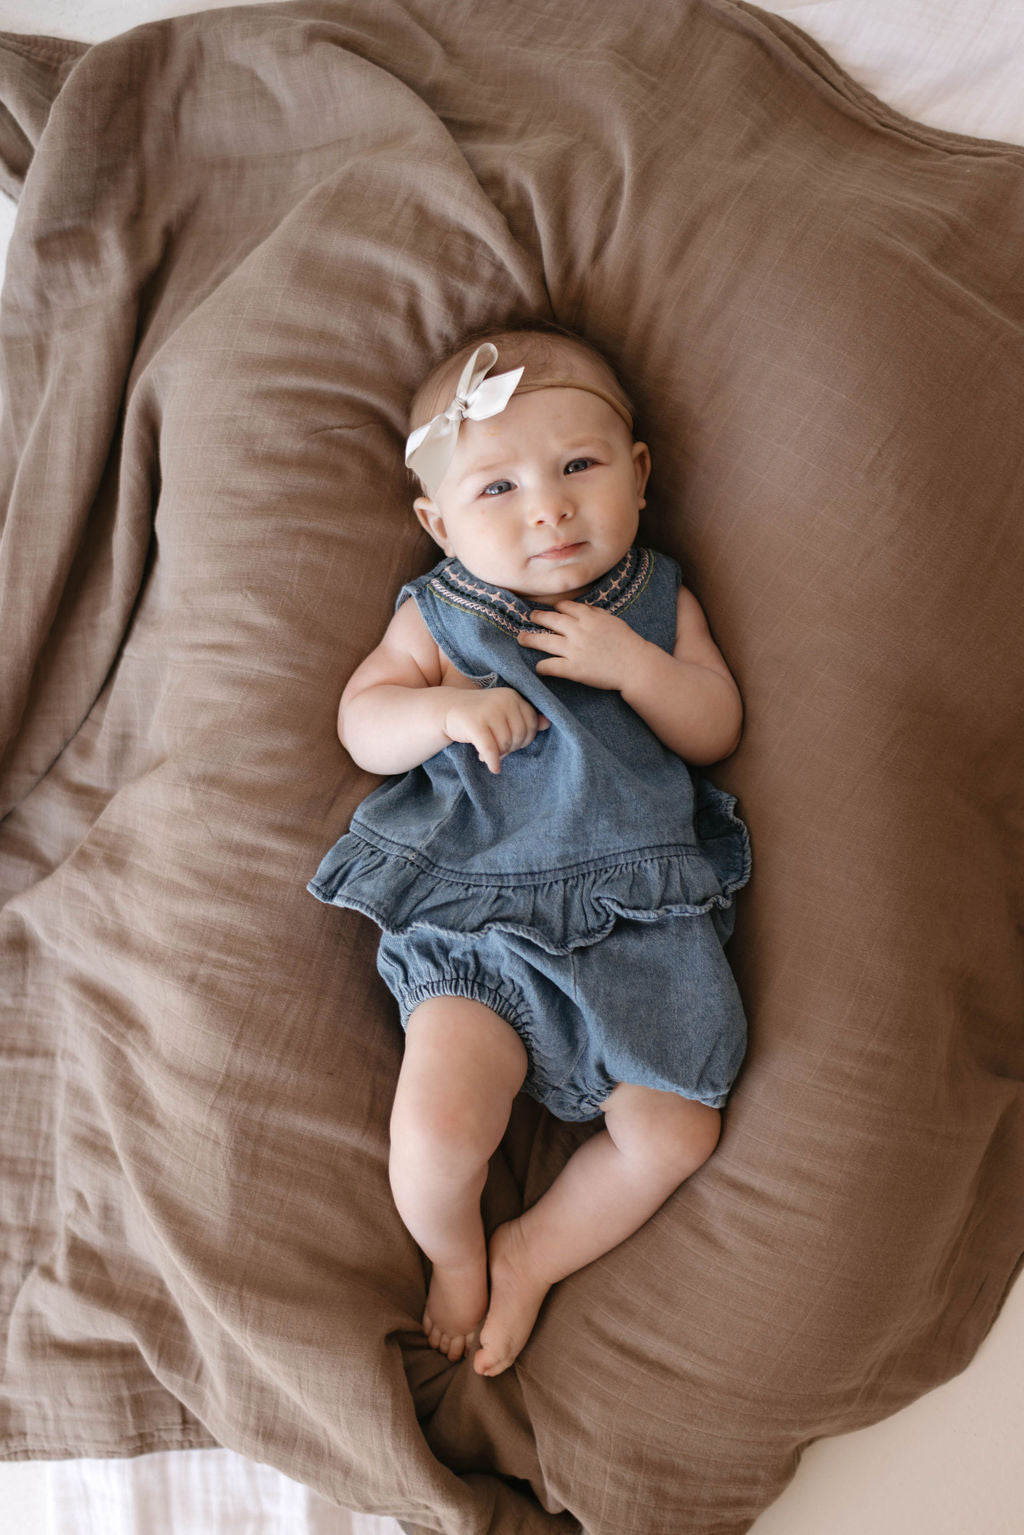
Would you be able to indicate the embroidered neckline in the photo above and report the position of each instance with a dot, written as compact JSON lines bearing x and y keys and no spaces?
{"x":619,"y":587}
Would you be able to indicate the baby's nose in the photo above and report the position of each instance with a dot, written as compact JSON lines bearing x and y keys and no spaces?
{"x":551,"y":504}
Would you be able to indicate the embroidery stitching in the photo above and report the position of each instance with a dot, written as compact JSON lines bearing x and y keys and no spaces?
{"x":619,"y":588}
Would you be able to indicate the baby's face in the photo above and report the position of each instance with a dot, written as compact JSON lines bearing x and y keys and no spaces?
{"x":543,"y":498}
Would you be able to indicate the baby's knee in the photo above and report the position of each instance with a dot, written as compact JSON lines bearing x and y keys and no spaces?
{"x":436,"y":1133}
{"x":673,"y":1133}
{"x":685,"y":1135}
{"x":700,"y":1133}
{"x":463,"y":1066}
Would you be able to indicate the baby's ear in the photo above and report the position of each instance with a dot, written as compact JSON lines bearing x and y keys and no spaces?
{"x":642,"y":469}
{"x":431,"y":519}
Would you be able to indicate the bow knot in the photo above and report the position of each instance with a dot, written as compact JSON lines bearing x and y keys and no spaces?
{"x":430,"y":449}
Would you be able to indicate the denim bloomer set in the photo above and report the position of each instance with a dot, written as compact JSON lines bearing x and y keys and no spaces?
{"x":585,"y":892}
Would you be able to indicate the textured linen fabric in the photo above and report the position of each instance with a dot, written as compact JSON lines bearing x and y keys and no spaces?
{"x":243,"y":237}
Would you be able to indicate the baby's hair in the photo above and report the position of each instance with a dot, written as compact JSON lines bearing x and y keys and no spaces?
{"x":540,"y":347}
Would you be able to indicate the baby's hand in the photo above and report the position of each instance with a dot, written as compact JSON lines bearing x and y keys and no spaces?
{"x":495,"y":720}
{"x":586,"y":644}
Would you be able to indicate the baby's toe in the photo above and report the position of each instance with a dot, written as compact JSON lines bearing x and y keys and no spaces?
{"x":492,"y":1358}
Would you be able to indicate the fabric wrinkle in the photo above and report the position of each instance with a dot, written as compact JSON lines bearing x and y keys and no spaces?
{"x":614,"y":958}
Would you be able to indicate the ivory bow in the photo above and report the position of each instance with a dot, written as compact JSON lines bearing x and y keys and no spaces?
{"x":430,"y":449}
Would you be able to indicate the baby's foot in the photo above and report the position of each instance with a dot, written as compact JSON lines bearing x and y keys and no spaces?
{"x":456,"y":1304}
{"x":516,"y":1297}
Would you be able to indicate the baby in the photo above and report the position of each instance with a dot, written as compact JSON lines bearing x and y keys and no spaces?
{"x":553,"y":883}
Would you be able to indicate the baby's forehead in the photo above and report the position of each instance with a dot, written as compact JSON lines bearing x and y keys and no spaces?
{"x":546,"y":422}
{"x":542,"y":358}
{"x":555,"y":413}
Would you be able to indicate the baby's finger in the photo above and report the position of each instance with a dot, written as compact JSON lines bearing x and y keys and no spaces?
{"x":536,"y":722}
{"x":551,"y":619}
{"x":552,"y":642}
{"x":523,"y":726}
{"x":532,"y":722}
{"x":488,"y":751}
{"x":555,"y":666}
{"x":523,"y":729}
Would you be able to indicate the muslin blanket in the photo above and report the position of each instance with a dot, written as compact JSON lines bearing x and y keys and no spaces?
{"x":242,"y":238}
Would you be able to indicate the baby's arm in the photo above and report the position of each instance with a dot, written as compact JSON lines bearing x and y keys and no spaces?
{"x":688,"y":698}
{"x":405,"y":702}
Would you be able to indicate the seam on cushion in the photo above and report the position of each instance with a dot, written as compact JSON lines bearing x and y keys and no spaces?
{"x":47,"y":50}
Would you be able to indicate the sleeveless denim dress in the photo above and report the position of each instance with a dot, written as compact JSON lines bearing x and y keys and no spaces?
{"x":585,"y":892}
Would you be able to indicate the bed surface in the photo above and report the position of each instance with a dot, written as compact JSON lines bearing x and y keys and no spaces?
{"x":849,"y":359}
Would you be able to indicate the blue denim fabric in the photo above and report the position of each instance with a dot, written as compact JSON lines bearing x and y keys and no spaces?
{"x":653,"y":1003}
{"x":594,"y":832}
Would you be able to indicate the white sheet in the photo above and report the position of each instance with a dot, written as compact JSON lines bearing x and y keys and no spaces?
{"x":189,"y":1492}
{"x":955,"y":64}
{"x":948,"y":1465}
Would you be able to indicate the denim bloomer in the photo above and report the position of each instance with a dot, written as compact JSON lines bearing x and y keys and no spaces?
{"x":586,"y":1017}
{"x":585,"y":892}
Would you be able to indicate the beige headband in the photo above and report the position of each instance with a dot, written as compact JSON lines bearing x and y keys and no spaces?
{"x":575,"y":383}
{"x":430,"y":449}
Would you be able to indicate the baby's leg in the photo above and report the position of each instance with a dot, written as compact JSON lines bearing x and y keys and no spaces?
{"x":651,"y":1142}
{"x":462,"y":1067}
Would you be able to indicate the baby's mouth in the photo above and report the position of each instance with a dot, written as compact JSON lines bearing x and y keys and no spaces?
{"x":558,"y":551}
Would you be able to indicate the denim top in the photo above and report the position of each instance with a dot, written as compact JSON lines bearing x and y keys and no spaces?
{"x":595,"y":819}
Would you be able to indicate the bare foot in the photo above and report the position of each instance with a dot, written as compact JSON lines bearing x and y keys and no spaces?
{"x":516,"y":1297}
{"x":456,"y":1303}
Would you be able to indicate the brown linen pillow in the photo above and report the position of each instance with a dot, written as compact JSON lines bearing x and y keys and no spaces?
{"x":243,"y":237}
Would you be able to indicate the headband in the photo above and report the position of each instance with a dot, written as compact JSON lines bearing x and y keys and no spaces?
{"x":430,"y":449}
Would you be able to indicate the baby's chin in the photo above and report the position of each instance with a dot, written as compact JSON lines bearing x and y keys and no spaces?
{"x":550,"y":594}
{"x":558,"y":582}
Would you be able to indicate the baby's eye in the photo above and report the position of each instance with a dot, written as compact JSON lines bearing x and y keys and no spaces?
{"x":497,"y":488}
{"x":576,"y":464}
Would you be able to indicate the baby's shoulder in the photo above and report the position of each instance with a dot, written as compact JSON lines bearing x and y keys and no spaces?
{"x":408,"y":634}
{"x":412,"y":633}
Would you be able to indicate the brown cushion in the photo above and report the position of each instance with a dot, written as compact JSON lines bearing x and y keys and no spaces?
{"x":242,"y":238}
